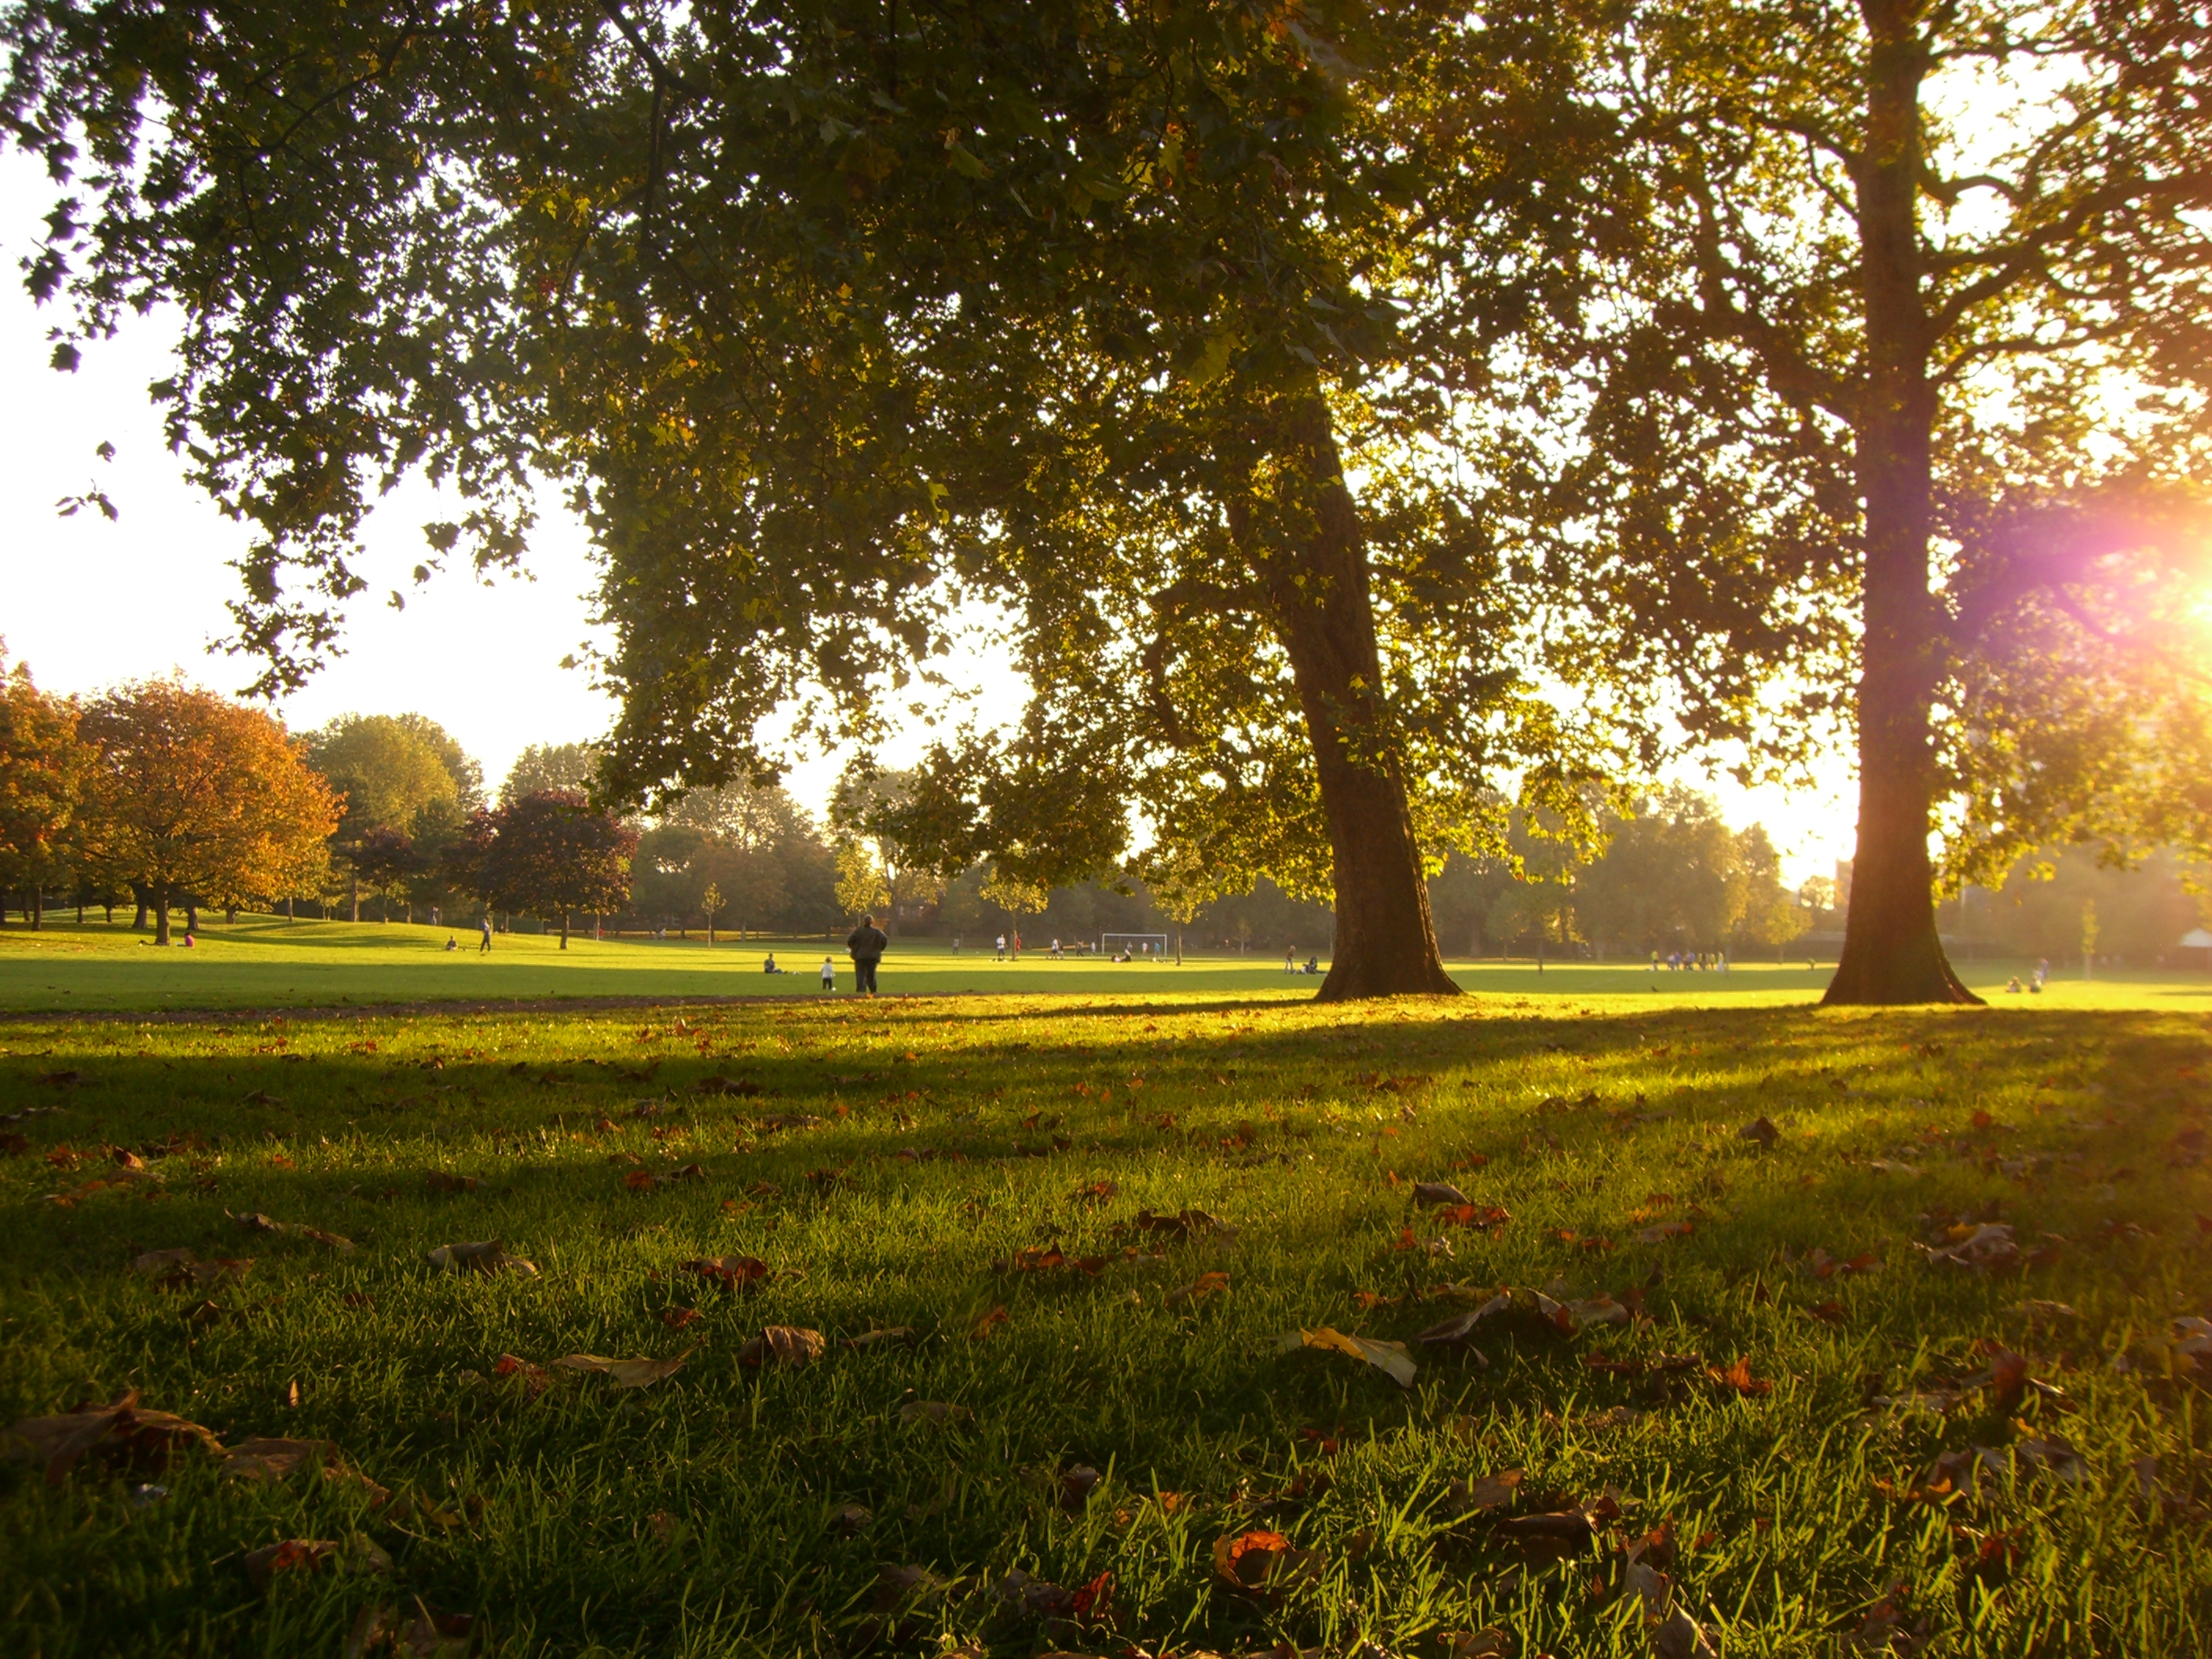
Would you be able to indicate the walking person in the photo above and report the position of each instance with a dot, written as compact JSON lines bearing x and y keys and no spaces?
{"x":484,"y":947}
{"x":866,"y":943}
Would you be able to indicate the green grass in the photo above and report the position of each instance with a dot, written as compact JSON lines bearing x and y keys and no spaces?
{"x":700,"y":1515}
{"x":264,"y":961}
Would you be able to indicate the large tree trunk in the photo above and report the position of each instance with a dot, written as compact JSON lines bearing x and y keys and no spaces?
{"x":1312,"y":558}
{"x":38,"y":908}
{"x":1891,"y":952}
{"x":160,"y":913}
{"x":564,"y":930}
{"x":143,"y":894}
{"x":352,"y":894}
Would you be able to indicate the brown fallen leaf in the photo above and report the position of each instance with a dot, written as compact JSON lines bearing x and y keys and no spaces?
{"x":1186,"y":1223}
{"x":933,"y":1410}
{"x":1206,"y":1284}
{"x":1572,"y":1316}
{"x":989,"y":1322}
{"x":534,"y":1377}
{"x":676,"y":1318}
{"x":263,"y":1097}
{"x":626,"y":1373}
{"x":441,"y":1182}
{"x":1388,"y":1358}
{"x":277,"y":1460}
{"x":1738,"y":1378}
{"x":782,"y":1345}
{"x":1262,"y":1560}
{"x":898,"y":1336}
{"x":177,"y":1270}
{"x":308,"y":1554}
{"x":1493,"y":1643}
{"x":732,"y":1272}
{"x":1438,"y":1192}
{"x":1659,"y":1232}
{"x":1760,"y":1131}
{"x":119,"y":1427}
{"x":1492,"y":1492}
{"x":413,"y":1632}
{"x":255,"y":1222}
{"x":484,"y":1258}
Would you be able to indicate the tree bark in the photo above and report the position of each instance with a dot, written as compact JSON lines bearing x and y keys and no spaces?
{"x":564,"y":930}
{"x":38,"y":908}
{"x":160,"y":913}
{"x":1312,"y":559}
{"x":1890,"y":952}
{"x":142,"y":894}
{"x":353,"y":893}
{"x":192,"y":913}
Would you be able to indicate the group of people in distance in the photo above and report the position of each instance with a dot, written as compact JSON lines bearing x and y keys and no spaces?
{"x":2035,"y":980}
{"x":1691,"y":961}
{"x":1291,"y":963}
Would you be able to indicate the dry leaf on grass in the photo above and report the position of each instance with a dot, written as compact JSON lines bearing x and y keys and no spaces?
{"x":264,"y":1459}
{"x":119,"y":1427}
{"x":676,"y":1318}
{"x":255,"y":1222}
{"x":1659,"y":1232}
{"x":1492,"y":1492}
{"x":626,"y":1373}
{"x":898,"y":1336}
{"x":439,"y":1182}
{"x":989,"y":1322}
{"x":732,"y":1272}
{"x":484,"y":1258}
{"x":1454,"y":1332}
{"x":1572,"y":1316}
{"x":1388,"y":1358}
{"x":933,"y":1410}
{"x":414,"y":1632}
{"x":1761,"y":1132}
{"x":1682,"y":1636}
{"x":1492,"y":1644}
{"x":1438,"y":1192}
{"x":308,"y":1554}
{"x":1186,"y":1223}
{"x":534,"y":1377}
{"x":782,"y":1345}
{"x":1206,"y":1284}
{"x":1263,"y":1560}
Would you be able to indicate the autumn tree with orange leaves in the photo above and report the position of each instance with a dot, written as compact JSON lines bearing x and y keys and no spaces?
{"x":42,"y":767}
{"x":198,"y":797}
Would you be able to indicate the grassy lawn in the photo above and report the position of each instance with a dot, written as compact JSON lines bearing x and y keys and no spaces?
{"x":1770,"y":1407}
{"x":264,"y":961}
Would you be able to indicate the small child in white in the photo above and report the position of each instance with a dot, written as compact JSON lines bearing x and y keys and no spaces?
{"x":829,"y":973}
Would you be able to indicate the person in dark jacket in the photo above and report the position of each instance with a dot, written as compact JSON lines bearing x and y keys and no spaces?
{"x":864,"y":944}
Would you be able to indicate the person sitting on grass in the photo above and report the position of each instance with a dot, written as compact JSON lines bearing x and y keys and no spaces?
{"x":1313,"y":965}
{"x":769,"y":967}
{"x":451,"y":944}
{"x":2012,"y":986}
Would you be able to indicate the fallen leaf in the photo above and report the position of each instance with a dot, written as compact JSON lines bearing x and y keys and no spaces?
{"x":119,"y":1427}
{"x":1438,"y":1192}
{"x":989,"y":1322}
{"x":308,"y":1554}
{"x":1739,"y":1378}
{"x":1662,"y":1232}
{"x":1682,"y":1636}
{"x":676,"y":1318}
{"x":1492,"y":1644}
{"x":277,"y":1460}
{"x":1206,"y":1284}
{"x":1761,"y":1131}
{"x":1455,"y":1331}
{"x":1262,"y":1560}
{"x":484,"y":1258}
{"x":1096,"y":1192}
{"x":1492,"y":1492}
{"x":627,"y":1373}
{"x":534,"y":1377}
{"x":1653,"y":1588}
{"x":732,"y":1272}
{"x":1188,"y":1224}
{"x":254,"y":1222}
{"x":439,"y":1182}
{"x":900,"y":1336}
{"x":1389,"y":1357}
{"x":782,"y":1345}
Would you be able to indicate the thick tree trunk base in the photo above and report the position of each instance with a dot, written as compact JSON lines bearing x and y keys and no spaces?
{"x":1351,"y":980}
{"x":1901,"y":974}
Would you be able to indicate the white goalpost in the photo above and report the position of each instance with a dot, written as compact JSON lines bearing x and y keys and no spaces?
{"x":1153,"y":947}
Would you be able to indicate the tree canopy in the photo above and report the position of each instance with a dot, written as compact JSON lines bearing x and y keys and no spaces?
{"x":547,"y":853}
{"x":43,"y":764}
{"x":1366,"y":415}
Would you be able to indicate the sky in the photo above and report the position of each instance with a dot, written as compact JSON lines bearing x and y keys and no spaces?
{"x":88,"y":603}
